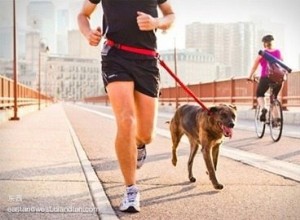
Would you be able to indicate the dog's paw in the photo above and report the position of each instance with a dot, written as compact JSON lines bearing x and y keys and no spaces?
{"x":218,"y":186}
{"x":192,"y":179}
{"x":174,"y":162}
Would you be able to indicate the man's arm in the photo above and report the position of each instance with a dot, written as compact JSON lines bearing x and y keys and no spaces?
{"x":168,"y":18}
{"x":146,"y":22}
{"x":93,"y":36}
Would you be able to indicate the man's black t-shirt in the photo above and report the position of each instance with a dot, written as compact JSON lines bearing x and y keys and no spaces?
{"x":120,"y":24}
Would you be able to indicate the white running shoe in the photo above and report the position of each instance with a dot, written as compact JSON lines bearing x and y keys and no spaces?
{"x":141,"y":157}
{"x":131,"y":200}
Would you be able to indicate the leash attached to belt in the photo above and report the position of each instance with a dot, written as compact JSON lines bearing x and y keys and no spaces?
{"x":153,"y":53}
{"x":164,"y":65}
{"x":141,"y":51}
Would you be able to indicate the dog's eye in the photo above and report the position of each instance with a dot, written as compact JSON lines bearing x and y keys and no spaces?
{"x":224,"y":115}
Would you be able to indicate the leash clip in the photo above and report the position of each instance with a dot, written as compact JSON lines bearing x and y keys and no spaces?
{"x":157,"y":56}
{"x":118,"y":46}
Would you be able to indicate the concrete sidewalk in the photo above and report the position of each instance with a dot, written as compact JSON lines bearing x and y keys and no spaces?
{"x":44,"y":173}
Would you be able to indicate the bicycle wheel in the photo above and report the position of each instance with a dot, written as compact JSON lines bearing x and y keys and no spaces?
{"x":259,"y":125}
{"x":276,"y":120}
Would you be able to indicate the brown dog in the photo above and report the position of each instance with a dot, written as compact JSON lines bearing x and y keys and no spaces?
{"x":206,"y":129}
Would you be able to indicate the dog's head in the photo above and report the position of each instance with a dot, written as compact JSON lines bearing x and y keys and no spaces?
{"x":224,"y":116}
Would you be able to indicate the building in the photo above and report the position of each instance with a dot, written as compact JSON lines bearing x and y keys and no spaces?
{"x":234,"y":45}
{"x":33,"y":39}
{"x":24,"y":76}
{"x":231,"y":44}
{"x":72,"y":78}
{"x":6,"y":51}
{"x":62,"y":31}
{"x":41,"y":17}
{"x":79,"y":46}
{"x":45,"y":25}
{"x":61,"y":77}
{"x":192,"y":66}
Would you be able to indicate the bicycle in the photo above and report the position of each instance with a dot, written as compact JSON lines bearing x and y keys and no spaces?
{"x":274,"y":117}
{"x":277,"y":73}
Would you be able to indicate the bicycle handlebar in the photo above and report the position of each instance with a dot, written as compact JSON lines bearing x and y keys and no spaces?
{"x":270,"y":58}
{"x":255,"y":79}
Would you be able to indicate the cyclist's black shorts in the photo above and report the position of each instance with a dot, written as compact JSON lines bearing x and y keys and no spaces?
{"x":143,"y":72}
{"x":263,"y":86}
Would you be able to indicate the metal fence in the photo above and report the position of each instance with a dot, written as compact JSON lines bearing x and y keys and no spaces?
{"x":236,"y":91}
{"x":25,"y":95}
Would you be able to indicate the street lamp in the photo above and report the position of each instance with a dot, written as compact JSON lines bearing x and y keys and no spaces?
{"x":175,"y":69}
{"x":43,"y":48}
{"x":15,"y":117}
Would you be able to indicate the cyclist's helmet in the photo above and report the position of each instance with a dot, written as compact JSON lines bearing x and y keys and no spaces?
{"x":267,"y":38}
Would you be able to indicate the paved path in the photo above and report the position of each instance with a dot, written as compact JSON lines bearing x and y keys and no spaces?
{"x":166,"y":193}
{"x":59,"y":163}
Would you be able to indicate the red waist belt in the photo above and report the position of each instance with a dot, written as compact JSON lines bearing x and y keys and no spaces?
{"x":141,"y":51}
{"x":162,"y":63}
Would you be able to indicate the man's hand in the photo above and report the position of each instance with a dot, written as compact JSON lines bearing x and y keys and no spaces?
{"x":146,"y":22}
{"x":94,"y":37}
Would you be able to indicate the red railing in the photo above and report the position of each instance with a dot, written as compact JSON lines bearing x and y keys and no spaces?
{"x":25,"y":95}
{"x":236,"y":91}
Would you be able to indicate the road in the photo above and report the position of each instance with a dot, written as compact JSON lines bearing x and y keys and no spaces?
{"x":260,"y":191}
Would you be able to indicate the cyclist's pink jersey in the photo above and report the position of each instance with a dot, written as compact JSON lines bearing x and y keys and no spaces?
{"x":263,"y":62}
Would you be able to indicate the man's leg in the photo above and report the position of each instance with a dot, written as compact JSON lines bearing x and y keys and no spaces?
{"x":122,"y":100}
{"x":121,"y":95}
{"x":146,"y":117}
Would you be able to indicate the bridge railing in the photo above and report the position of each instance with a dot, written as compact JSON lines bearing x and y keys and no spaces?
{"x":25,"y":95}
{"x":236,"y":91}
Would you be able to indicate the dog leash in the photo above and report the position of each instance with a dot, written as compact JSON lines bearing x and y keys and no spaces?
{"x":161,"y":62}
{"x":164,"y":65}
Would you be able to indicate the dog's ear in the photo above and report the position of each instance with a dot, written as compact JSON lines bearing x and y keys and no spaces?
{"x":233,"y":107}
{"x":213,"y":109}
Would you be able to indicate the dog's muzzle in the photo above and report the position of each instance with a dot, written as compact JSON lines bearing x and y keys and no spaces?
{"x":227,"y":129}
{"x":231,"y":125}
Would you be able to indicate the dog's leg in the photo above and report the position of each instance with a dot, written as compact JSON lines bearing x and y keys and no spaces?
{"x":194,"y":149}
{"x":210,"y":167}
{"x":215,"y":155}
{"x":176,"y":135}
{"x":175,"y":141}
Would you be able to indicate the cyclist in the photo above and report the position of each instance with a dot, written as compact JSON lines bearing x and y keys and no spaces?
{"x":264,"y":81}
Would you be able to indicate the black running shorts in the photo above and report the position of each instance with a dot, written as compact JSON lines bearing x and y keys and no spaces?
{"x":143,"y":72}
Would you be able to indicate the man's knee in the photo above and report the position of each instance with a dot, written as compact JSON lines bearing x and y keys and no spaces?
{"x":127,"y":123}
{"x":145,"y":139}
